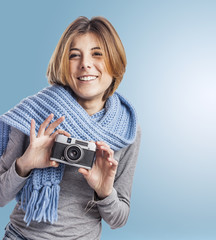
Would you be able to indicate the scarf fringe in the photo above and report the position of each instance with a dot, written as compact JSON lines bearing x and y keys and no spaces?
{"x":39,"y":205}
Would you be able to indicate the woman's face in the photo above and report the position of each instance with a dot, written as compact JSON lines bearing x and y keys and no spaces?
{"x":89,"y":76}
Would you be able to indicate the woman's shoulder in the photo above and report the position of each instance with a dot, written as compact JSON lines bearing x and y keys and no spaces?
{"x":131,"y":147}
{"x":139,"y":130}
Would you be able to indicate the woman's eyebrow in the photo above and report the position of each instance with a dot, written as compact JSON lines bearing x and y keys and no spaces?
{"x":95,"y":48}
{"x":77,"y":49}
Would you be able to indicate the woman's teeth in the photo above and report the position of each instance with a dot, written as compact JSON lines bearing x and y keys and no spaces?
{"x":87,"y":78}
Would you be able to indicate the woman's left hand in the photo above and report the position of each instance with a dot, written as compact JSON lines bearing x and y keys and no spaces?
{"x":102,"y":175}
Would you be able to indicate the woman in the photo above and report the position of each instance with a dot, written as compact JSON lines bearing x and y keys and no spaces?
{"x":57,"y":201}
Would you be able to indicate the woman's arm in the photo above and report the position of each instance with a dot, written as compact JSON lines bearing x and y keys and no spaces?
{"x":10,"y":182}
{"x":115,"y":207}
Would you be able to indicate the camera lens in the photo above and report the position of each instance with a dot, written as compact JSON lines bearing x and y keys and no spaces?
{"x":72,"y":153}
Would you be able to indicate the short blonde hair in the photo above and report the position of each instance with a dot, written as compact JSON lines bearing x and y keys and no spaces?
{"x":58,"y":71}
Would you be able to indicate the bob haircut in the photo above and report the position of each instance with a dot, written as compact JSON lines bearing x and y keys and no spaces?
{"x":58,"y":71}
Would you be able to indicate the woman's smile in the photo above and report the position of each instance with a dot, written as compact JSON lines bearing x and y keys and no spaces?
{"x":87,"y":78}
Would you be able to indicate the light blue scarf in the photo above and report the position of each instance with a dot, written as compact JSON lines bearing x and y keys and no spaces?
{"x":116,"y":125}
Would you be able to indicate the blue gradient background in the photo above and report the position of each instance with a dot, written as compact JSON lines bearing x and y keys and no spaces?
{"x":170,"y":79}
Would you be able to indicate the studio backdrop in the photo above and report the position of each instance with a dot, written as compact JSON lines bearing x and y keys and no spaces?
{"x":170,"y":80}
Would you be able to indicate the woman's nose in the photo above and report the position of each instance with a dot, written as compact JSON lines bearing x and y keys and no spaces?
{"x":86,"y":63}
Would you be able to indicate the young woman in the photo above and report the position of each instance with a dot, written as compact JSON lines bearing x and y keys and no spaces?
{"x":58,"y":201}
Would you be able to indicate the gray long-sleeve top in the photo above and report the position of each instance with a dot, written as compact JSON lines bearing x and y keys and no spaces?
{"x":79,"y":210}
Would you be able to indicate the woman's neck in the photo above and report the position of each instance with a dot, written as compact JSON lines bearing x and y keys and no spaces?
{"x":92,"y":106}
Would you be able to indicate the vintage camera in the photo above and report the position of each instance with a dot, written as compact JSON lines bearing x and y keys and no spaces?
{"x":73,"y":152}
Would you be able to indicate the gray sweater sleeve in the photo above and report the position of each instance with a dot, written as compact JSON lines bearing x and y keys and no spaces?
{"x":10,"y":182}
{"x":115,"y":208}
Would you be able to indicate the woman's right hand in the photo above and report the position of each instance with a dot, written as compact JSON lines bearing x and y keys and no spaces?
{"x":37,"y":155}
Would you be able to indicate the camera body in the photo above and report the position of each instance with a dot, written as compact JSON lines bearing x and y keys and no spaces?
{"x":73,"y":152}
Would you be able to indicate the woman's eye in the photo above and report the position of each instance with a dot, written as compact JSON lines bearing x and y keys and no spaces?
{"x":74,"y":55}
{"x":97,"y":54}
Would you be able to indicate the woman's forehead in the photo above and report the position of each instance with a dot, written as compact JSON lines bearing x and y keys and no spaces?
{"x":90,"y":39}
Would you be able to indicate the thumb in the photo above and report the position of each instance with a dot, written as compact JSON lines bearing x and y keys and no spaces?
{"x":53,"y":164}
{"x":84,"y":172}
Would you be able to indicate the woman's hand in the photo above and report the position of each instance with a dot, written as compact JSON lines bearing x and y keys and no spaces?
{"x":37,"y":155}
{"x":102,"y":175}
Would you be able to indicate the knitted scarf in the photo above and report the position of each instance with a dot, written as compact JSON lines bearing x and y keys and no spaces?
{"x":116,"y":125}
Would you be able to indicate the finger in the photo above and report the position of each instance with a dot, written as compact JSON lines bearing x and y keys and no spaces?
{"x":99,"y":153}
{"x":101,"y":143}
{"x":32,"y":131}
{"x":60,"y":131}
{"x":44,"y":125}
{"x":112,"y":162}
{"x":107,"y":151}
{"x":53,"y":125}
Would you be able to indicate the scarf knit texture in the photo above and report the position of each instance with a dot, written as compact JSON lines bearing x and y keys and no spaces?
{"x":116,"y":125}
